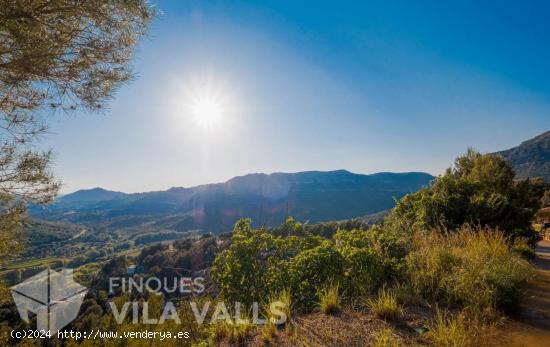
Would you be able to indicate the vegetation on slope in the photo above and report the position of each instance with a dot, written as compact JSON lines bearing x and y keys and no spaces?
{"x":427,"y":274}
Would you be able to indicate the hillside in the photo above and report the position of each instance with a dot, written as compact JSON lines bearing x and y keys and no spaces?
{"x":308,"y":196}
{"x":532,"y":157}
{"x":90,"y":196}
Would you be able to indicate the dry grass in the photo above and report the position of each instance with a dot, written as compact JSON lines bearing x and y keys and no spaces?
{"x":385,"y":338}
{"x":385,"y":305}
{"x":406,"y":294}
{"x":347,"y":329}
{"x":359,"y":329}
{"x":330,"y":300}
{"x":268,"y":333}
{"x":284,"y":300}
{"x":474,"y":268}
{"x":231,"y":333}
{"x":451,"y":331}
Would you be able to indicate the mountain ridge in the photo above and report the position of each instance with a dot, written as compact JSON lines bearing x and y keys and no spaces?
{"x":92,"y":194}
{"x":266,"y":198}
{"x":76,"y":195}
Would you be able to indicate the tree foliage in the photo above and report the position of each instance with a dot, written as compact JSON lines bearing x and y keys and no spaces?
{"x":54,"y":55}
{"x":479,"y":189}
{"x":259,"y":264}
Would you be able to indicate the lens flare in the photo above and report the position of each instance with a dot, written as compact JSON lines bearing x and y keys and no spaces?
{"x":207,"y":112}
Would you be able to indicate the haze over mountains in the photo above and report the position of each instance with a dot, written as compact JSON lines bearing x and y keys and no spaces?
{"x":312,"y":196}
{"x":308,"y":196}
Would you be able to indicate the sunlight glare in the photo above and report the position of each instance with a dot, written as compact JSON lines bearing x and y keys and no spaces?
{"x":207,"y":112}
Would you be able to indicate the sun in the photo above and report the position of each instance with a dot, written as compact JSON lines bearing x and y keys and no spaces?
{"x":205,"y":105}
{"x":207,"y":111}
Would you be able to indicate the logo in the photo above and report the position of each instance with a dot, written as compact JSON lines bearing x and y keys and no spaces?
{"x":53,"y":296}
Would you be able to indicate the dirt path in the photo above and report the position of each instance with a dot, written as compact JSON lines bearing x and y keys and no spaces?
{"x":82,"y":232}
{"x":532,"y":327}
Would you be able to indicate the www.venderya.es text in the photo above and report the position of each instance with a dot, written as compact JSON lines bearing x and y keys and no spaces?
{"x":98,"y":334}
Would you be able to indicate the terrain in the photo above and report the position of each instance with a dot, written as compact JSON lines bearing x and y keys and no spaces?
{"x":372,"y":279}
{"x":93,"y":225}
{"x":531,"y":158}
{"x":530,"y":327}
{"x":268,"y":199}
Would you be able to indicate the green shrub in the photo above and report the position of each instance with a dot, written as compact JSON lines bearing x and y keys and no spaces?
{"x":329,"y":299}
{"x":313,"y":269}
{"x":385,"y":305}
{"x":479,"y":188}
{"x":258,"y":263}
{"x":363,"y":268}
{"x":475,"y":268}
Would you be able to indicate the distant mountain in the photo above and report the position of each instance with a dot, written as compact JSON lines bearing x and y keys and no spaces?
{"x":312,"y":196}
{"x":531,"y":158}
{"x":90,"y":196}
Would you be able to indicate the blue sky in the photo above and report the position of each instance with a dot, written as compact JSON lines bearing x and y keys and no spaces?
{"x":365,"y":86}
